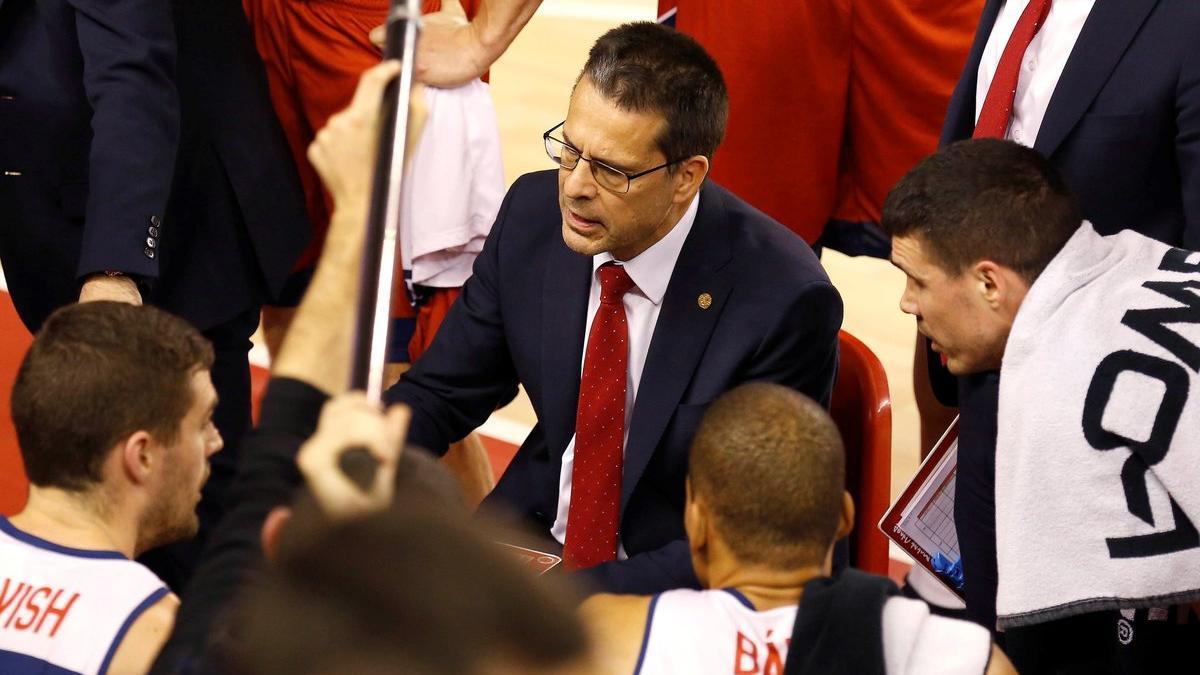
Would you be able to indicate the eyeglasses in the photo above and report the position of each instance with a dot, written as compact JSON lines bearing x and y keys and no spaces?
{"x":612,"y":179}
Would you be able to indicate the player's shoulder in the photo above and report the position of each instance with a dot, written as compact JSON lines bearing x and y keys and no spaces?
{"x":146,"y":635}
{"x":615,"y":605}
{"x":618,"y":622}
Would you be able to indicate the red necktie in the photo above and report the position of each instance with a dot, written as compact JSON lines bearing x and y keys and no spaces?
{"x":998,"y":105}
{"x":600,"y":429}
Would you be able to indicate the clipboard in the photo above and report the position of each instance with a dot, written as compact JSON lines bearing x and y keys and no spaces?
{"x":921,"y":521}
{"x":538,"y":562}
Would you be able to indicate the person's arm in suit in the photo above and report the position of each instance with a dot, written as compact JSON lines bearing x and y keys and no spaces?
{"x":799,"y":351}
{"x":128,"y":49}
{"x":468,"y":371}
{"x":1187,"y":146}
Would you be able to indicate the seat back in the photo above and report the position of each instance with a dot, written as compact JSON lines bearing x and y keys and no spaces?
{"x":14,"y":342}
{"x":862,"y":408}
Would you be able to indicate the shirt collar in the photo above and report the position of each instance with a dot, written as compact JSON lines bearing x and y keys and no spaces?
{"x":651,"y":269}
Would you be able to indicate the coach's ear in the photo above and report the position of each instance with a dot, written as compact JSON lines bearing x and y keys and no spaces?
{"x":689,"y":176}
{"x":846,"y":521}
{"x":137,"y":455}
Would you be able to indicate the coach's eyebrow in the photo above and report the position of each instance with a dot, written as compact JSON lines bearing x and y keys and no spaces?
{"x":606,"y":162}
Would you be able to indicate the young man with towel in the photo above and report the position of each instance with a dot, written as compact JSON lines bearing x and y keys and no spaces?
{"x":1096,"y":488}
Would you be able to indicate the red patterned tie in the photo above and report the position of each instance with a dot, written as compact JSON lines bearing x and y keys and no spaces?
{"x":600,"y":429}
{"x":998,"y":105}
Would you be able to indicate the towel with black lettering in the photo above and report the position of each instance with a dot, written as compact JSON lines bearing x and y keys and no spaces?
{"x":1098,"y":445}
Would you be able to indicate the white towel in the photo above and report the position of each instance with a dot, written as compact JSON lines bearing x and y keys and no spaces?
{"x":1084,"y":523}
{"x":453,"y":187}
{"x":916,"y":642}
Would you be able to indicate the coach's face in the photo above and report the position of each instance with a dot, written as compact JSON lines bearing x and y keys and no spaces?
{"x":967,"y":316}
{"x":597,"y":218}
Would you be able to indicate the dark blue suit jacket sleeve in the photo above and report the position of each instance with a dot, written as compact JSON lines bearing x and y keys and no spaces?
{"x":474,"y":372}
{"x":128,"y":49}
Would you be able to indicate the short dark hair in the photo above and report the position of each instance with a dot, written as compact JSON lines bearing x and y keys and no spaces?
{"x":96,"y":373}
{"x":415,"y":587}
{"x":985,"y":199}
{"x":769,"y":463}
{"x":647,"y":67}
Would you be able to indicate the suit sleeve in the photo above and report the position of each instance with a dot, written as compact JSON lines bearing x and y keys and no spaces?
{"x":467,"y":371}
{"x":128,"y":49}
{"x":801,"y":349}
{"x":1187,"y":146}
{"x":645,"y":573}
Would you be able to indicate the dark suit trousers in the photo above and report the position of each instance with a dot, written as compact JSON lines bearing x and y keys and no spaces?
{"x":975,"y":494}
{"x":174,"y":563}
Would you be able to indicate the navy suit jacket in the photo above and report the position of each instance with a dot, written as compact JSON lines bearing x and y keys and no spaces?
{"x":521,"y":318}
{"x":1123,"y":124}
{"x":138,"y":135}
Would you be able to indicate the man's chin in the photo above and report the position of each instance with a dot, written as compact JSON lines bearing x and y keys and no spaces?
{"x":581,"y":243}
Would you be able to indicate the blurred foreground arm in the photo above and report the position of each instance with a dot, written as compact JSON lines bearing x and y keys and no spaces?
{"x":313,"y":364}
{"x":349,"y":421}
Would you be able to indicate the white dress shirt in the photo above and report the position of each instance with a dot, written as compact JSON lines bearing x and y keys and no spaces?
{"x":1040,"y":69}
{"x":651,"y":272}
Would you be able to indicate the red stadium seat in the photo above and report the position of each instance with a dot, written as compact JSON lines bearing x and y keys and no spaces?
{"x":15,"y":341}
{"x":862,"y":409}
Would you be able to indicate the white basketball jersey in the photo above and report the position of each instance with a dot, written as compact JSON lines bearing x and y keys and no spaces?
{"x":65,"y":610}
{"x":717,"y":631}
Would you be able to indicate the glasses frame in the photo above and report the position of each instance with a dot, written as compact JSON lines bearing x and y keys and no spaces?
{"x":594,"y":162}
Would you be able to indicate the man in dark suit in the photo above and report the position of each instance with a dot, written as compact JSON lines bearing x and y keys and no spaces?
{"x":1109,"y":92}
{"x":142,"y":162}
{"x":679,"y":290}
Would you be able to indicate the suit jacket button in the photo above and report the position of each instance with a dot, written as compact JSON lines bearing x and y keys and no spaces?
{"x":149,"y":253}
{"x":153,"y":231}
{"x":151,"y":243}
{"x":155,"y":221}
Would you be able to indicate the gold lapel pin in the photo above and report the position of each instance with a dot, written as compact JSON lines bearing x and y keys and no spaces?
{"x":705,"y":301}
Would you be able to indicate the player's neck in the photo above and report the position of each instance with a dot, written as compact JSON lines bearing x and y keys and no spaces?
{"x":74,"y":520}
{"x":764,"y":587}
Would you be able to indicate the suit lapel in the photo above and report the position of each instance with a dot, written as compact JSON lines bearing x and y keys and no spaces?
{"x":960,"y":116}
{"x":564,"y":313}
{"x":1109,"y":29}
{"x":680,"y":334}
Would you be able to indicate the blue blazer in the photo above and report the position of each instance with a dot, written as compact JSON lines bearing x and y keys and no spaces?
{"x":1123,"y":125}
{"x":521,"y":318}
{"x":138,"y":135}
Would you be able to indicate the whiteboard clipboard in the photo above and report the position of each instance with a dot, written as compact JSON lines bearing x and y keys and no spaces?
{"x":921,"y":521}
